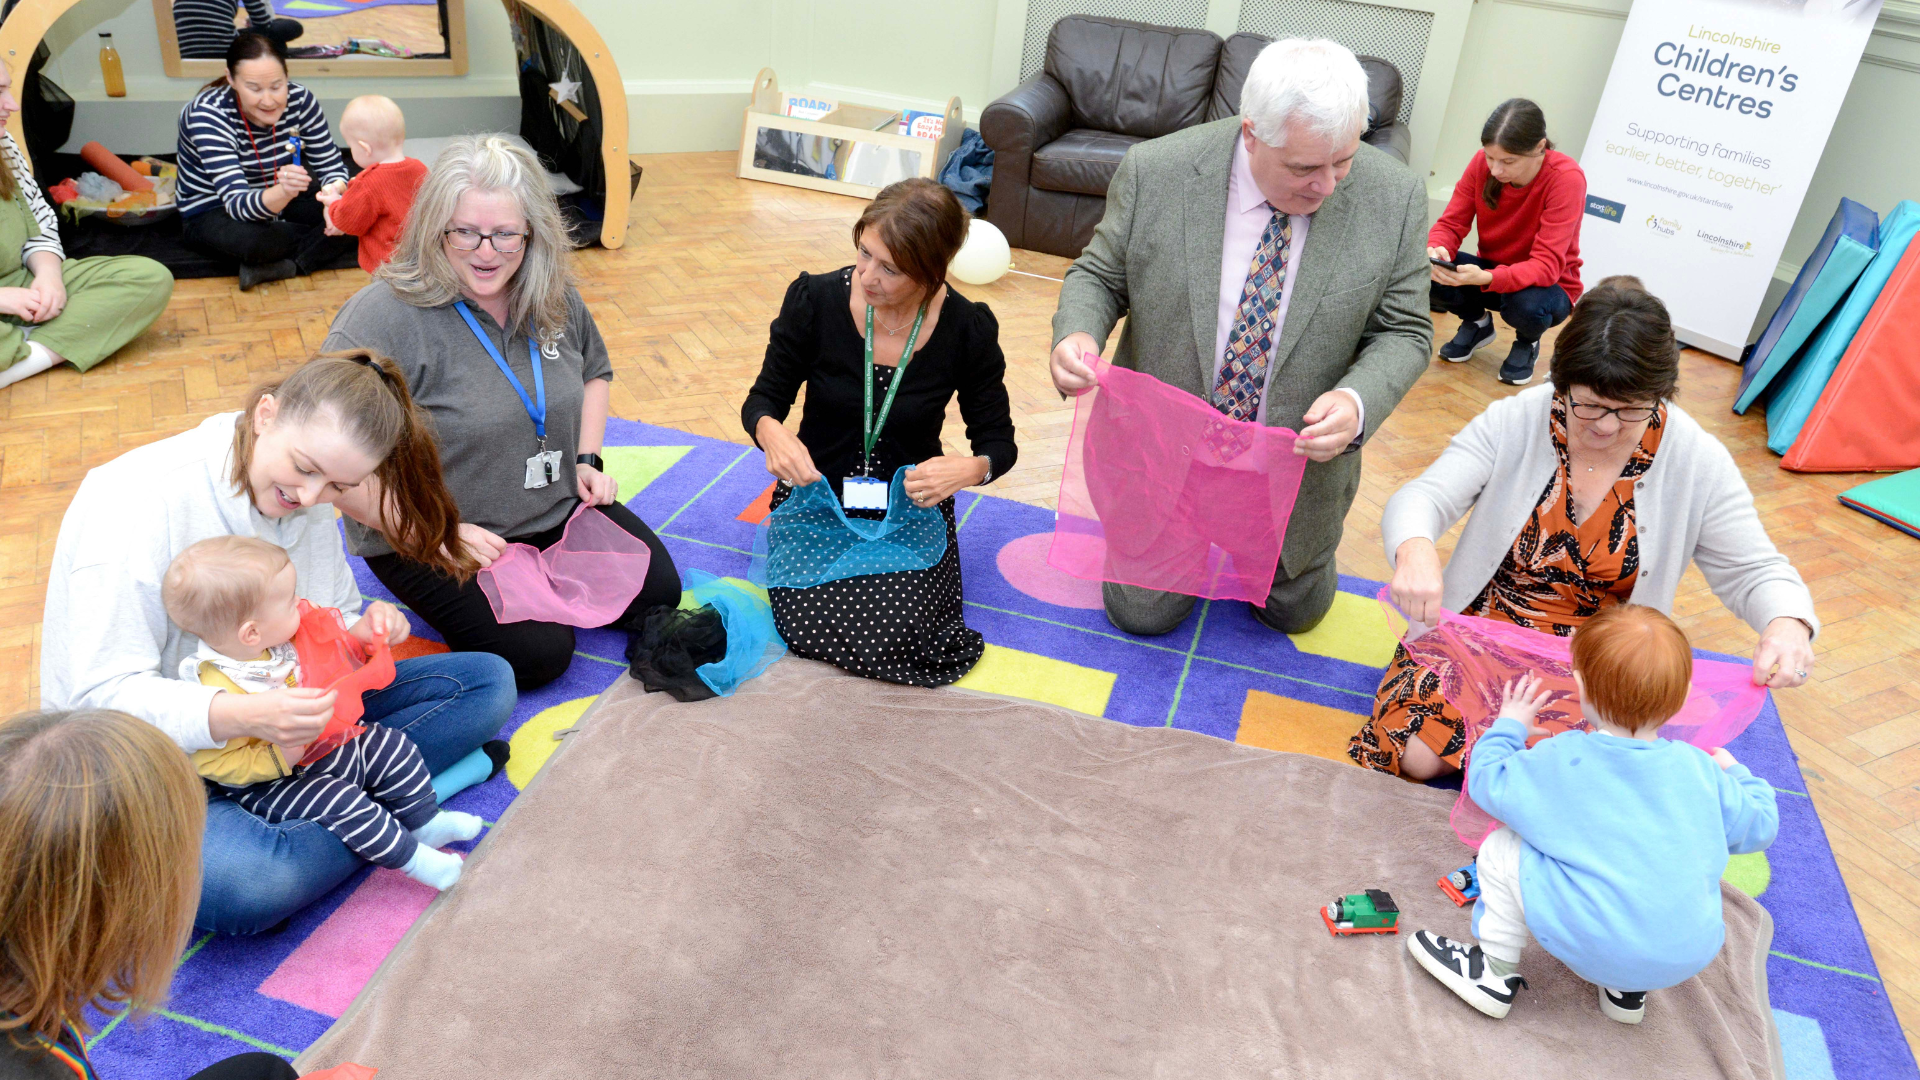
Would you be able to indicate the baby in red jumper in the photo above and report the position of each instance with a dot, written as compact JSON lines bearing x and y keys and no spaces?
{"x":374,"y":205}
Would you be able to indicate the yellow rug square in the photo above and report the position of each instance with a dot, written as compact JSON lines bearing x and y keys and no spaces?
{"x":1357,"y":630}
{"x":1298,"y":727}
{"x":1040,"y":678}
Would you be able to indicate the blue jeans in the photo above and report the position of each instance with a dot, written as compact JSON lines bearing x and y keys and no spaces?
{"x":1530,"y":311}
{"x":253,"y":875}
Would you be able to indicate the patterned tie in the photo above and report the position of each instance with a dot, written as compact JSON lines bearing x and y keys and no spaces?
{"x":1243,"y":370}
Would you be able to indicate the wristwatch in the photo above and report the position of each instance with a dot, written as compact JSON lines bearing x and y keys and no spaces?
{"x":594,"y":460}
{"x":987,"y":479}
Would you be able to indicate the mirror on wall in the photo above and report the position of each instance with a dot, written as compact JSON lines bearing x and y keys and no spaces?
{"x":323,"y":37}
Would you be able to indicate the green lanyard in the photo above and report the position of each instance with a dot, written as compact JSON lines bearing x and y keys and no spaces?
{"x":871,"y":432}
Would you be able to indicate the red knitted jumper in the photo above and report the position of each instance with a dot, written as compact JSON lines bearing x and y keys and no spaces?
{"x":1534,"y":235}
{"x":375,"y":207}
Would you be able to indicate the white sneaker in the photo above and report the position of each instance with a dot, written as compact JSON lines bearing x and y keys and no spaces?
{"x":1464,"y":970}
{"x":1627,"y":1007}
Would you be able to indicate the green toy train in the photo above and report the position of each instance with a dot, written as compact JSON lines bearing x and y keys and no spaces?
{"x":1369,"y":912}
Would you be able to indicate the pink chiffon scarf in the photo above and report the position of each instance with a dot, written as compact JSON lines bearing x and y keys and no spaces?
{"x":586,"y":579}
{"x":1162,"y":491}
{"x":1475,"y":658}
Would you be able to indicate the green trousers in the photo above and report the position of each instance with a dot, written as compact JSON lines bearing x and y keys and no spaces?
{"x":110,"y":300}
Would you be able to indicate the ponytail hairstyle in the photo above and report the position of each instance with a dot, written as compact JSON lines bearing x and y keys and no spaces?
{"x":1516,"y":126}
{"x":101,"y":817}
{"x":365,"y":395}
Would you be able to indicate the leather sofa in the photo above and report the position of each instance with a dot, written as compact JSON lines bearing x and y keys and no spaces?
{"x":1107,"y":84}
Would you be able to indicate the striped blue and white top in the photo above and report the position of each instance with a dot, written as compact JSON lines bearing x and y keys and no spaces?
{"x":228,"y":162}
{"x":204,"y":28}
{"x":49,"y":238}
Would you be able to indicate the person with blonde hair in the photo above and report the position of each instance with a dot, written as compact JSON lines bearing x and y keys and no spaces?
{"x":478,"y":306}
{"x":100,"y":825}
{"x":331,"y":427}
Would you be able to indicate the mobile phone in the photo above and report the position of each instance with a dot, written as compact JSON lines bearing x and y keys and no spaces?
{"x":1444,"y":263}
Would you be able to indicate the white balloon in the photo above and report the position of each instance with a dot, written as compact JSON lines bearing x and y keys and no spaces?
{"x":985,"y":257}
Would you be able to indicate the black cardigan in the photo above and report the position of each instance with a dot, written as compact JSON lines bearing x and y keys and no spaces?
{"x":814,"y":341}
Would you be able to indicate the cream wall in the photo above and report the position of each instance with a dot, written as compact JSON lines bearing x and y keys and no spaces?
{"x":1558,"y":52}
{"x":687,"y":67}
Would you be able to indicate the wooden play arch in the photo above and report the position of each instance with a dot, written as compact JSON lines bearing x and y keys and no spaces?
{"x":30,"y":20}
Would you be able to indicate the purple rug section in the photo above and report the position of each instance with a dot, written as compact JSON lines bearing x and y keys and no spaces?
{"x":1833,"y":1011}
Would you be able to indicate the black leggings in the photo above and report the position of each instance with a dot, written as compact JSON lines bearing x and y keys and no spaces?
{"x":248,"y":1067}
{"x":299,"y":233}
{"x":539,"y":652}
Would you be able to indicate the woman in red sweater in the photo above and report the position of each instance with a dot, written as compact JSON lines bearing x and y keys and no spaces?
{"x":1527,"y":198}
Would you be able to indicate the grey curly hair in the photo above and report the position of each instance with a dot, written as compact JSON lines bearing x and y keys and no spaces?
{"x":422,"y":275}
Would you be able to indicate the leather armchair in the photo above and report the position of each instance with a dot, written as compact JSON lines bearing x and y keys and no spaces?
{"x":1108,"y":84}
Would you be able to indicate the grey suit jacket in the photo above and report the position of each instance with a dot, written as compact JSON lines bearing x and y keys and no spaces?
{"x":1358,"y":316}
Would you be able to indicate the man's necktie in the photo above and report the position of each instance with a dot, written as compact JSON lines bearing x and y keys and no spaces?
{"x":1243,"y":371}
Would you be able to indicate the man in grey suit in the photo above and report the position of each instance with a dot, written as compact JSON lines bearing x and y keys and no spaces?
{"x":1275,"y":266}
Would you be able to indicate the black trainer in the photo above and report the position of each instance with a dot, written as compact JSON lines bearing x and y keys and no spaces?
{"x":1518,"y":370}
{"x":1465,"y":971}
{"x":1628,"y":1007}
{"x":1471,"y":337}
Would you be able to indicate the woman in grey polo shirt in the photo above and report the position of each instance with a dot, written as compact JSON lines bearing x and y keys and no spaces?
{"x":477,"y":293}
{"x":1591,"y":491}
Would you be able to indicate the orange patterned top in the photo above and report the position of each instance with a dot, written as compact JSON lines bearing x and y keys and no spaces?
{"x":1557,"y":573}
{"x":1554,"y":577}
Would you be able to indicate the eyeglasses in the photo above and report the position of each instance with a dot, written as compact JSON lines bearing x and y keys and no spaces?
{"x":1587,"y":410}
{"x":506,"y":243}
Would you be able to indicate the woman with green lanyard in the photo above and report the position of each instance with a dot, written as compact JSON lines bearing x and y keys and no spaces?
{"x":53,"y":309}
{"x":478,"y":308}
{"x":882,"y":346}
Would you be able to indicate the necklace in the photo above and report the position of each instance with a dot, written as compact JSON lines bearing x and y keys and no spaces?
{"x":892,"y":331}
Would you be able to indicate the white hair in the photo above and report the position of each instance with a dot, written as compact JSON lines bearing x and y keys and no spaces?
{"x":1317,"y":86}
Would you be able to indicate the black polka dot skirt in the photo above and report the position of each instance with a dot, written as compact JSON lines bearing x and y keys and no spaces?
{"x":904,"y":627}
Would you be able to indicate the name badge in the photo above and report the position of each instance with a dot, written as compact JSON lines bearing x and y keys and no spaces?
{"x":863,"y":493}
{"x":543,"y":469}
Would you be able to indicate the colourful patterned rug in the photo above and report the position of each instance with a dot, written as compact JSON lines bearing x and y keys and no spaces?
{"x":1220,"y":673}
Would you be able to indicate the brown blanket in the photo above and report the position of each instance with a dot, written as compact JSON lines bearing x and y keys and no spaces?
{"x":824,"y":876}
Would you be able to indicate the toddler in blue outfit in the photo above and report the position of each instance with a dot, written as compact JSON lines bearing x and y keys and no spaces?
{"x":1614,"y":840}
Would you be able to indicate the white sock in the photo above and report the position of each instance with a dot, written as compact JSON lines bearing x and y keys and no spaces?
{"x":447,"y":827}
{"x":1485,"y":319}
{"x":38,"y":359}
{"x":439,"y":869}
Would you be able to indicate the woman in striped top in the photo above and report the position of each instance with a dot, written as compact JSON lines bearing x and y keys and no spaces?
{"x":54,"y":309}
{"x":254,"y":150}
{"x":205,"y":28}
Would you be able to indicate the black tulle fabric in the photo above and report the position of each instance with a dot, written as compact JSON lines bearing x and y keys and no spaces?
{"x":667,"y":647}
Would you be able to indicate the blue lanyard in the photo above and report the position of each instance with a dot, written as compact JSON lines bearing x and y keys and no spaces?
{"x":537,"y":412}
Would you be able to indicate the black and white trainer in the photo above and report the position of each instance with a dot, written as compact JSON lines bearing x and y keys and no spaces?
{"x":1628,"y":1007}
{"x":1471,"y":337}
{"x":1520,"y":362}
{"x":1464,"y":969}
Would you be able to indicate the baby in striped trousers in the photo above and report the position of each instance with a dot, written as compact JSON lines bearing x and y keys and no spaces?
{"x":237,"y":595}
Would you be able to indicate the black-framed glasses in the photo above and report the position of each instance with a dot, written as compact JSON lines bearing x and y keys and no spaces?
{"x":1588,"y":410}
{"x":506,"y":243}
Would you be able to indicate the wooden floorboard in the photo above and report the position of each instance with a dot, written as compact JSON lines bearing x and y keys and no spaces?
{"x":684,"y":308}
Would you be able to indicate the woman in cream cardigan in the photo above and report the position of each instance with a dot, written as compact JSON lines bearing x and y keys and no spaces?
{"x":1591,"y":491}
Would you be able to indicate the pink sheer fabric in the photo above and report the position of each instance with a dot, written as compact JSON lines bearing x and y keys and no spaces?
{"x":587,"y":579}
{"x":1475,"y":658}
{"x":1162,"y":491}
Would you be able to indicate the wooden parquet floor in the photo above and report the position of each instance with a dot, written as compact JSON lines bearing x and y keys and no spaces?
{"x":684,"y":308}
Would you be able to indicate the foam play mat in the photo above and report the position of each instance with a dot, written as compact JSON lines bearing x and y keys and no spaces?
{"x":1220,"y":674}
{"x":825,"y":875}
